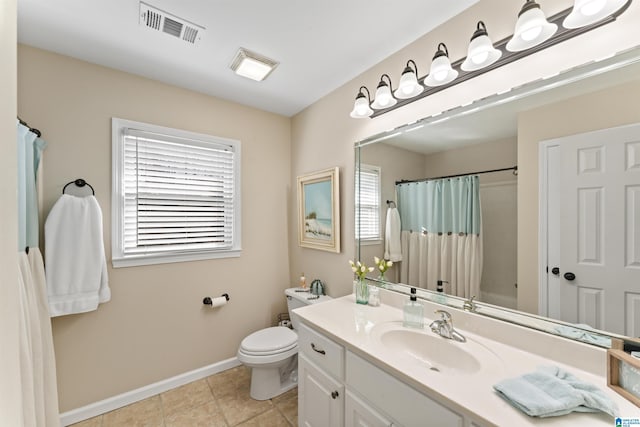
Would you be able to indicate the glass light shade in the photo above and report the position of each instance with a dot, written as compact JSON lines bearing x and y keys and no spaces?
{"x":441,"y":72}
{"x":480,"y":54}
{"x":587,"y":12}
{"x":384,"y":98}
{"x":361,"y":107}
{"x":408,"y":86}
{"x":532,"y":29}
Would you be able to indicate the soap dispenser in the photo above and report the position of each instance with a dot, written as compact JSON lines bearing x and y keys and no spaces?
{"x":440,"y":296}
{"x":413,"y":312}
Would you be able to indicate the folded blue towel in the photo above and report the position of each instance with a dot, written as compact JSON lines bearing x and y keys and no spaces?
{"x":582,"y":333}
{"x":551,"y":391}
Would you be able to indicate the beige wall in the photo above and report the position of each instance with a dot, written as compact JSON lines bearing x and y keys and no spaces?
{"x":10,"y":387}
{"x":155,"y":325}
{"x":612,"y":107}
{"x":323,"y":134}
{"x":474,"y":158}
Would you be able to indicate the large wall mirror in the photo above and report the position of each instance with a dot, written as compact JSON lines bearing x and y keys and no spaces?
{"x":494,"y":146}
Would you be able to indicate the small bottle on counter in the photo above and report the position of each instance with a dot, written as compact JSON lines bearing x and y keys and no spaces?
{"x":413,"y":312}
{"x":374,"y":296}
{"x":303,"y":281}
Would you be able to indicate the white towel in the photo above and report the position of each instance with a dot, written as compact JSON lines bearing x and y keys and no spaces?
{"x":26,"y":323}
{"x":392,"y":247}
{"x":49,"y":383}
{"x":76,"y":265}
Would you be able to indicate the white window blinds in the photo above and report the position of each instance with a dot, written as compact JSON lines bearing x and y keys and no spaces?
{"x":368,"y":203}
{"x":177,"y":195}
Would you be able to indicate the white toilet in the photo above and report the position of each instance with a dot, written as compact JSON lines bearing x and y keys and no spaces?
{"x":272,"y":353}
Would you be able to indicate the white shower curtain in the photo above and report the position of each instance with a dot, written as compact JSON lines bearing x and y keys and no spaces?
{"x":441,"y":238}
{"x":455,"y":258}
{"x":39,"y":394}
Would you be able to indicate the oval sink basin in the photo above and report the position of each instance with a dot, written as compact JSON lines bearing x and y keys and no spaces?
{"x":433,"y":351}
{"x":440,"y":354}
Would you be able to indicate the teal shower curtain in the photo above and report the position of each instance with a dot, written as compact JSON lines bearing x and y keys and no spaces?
{"x":441,"y":234}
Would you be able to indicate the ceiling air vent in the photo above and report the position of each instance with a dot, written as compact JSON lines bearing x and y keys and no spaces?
{"x":159,"y":20}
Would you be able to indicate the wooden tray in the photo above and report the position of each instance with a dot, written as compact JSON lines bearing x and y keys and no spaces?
{"x":615,"y":358}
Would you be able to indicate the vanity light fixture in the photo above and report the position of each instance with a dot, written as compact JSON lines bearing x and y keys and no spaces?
{"x":532,"y":28}
{"x":441,"y":72}
{"x":409,"y":86}
{"x":481,"y":52}
{"x":252,"y":65}
{"x":361,"y":106}
{"x":384,"y":98}
{"x":586,"y":12}
{"x":533,"y":33}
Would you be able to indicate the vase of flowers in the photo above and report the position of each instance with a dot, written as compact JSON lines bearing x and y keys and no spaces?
{"x":362,"y":288}
{"x":383,"y":265}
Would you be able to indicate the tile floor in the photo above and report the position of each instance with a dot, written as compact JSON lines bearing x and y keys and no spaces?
{"x":221,"y":400}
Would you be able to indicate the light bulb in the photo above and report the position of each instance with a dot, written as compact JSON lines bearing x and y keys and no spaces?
{"x":480,"y":57}
{"x":593,"y":7}
{"x":383,"y":99}
{"x":531,"y":33}
{"x":440,"y":75}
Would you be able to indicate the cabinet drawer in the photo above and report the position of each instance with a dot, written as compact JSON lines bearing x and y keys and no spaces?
{"x":328,"y":355}
{"x":400,"y":402}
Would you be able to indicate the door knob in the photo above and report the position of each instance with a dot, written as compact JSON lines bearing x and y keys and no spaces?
{"x":569,"y":276}
{"x":335,"y":394}
{"x":555,"y":270}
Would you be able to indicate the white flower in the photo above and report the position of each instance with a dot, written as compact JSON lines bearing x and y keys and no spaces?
{"x":376,"y":260}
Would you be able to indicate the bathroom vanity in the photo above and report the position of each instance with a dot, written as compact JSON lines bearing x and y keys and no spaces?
{"x":359,"y":366}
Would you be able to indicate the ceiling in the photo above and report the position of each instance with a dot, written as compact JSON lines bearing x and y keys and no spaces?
{"x":320,"y":45}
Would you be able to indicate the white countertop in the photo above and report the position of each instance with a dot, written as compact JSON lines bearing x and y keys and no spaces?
{"x":355,"y":326}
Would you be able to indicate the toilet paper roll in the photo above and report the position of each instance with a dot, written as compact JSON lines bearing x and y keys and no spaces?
{"x":218,"y":301}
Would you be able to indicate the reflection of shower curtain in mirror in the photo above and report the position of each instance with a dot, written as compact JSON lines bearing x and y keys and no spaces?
{"x":441,"y":240}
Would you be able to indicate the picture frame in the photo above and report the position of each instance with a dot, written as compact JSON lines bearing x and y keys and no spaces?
{"x":319,"y":210}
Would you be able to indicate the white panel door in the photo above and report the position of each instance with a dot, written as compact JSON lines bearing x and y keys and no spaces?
{"x":598,"y":181}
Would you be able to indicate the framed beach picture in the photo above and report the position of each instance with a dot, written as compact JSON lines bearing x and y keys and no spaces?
{"x":319,"y":210}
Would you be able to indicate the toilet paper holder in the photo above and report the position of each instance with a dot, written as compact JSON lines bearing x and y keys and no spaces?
{"x":209,"y":301}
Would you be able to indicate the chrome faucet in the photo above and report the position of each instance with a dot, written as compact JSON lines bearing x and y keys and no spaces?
{"x":469,"y":305}
{"x":444,"y":327}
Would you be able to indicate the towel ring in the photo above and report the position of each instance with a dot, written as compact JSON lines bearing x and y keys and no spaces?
{"x":79,"y":183}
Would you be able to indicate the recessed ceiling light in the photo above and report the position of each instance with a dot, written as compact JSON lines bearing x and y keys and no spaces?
{"x":252,"y":65}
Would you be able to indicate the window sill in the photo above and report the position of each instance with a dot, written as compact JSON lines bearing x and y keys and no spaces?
{"x":138,"y":260}
{"x":371,"y":242}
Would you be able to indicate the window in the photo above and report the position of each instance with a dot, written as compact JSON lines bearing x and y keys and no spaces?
{"x":368,"y":203}
{"x":176,"y":195}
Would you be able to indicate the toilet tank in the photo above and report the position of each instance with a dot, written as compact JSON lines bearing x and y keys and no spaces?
{"x":298,"y":297}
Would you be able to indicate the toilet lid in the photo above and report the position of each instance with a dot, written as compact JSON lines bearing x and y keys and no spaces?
{"x":269,"y":340}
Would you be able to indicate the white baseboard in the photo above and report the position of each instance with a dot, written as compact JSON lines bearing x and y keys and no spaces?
{"x":124,"y":399}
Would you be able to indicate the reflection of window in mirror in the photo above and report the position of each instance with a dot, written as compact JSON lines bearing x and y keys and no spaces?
{"x":368,"y":204}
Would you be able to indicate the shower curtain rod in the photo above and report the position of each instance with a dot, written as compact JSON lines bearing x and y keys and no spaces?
{"x":34,"y":130}
{"x":513,"y":168}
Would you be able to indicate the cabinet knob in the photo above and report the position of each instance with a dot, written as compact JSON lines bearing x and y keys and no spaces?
{"x":335,"y":394}
{"x":313,"y":346}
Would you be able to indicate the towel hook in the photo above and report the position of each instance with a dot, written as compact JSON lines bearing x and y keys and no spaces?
{"x":79,"y":183}
{"x":391,"y":203}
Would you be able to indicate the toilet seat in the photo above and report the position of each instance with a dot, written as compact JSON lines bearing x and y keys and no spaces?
{"x":269,"y":341}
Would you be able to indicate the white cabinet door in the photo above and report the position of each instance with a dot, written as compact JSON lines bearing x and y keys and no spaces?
{"x":320,"y":397}
{"x":359,"y":414}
